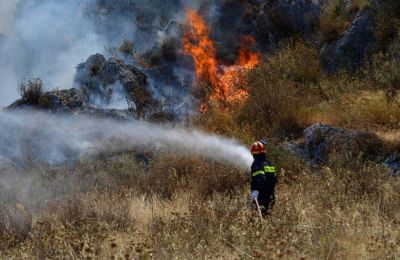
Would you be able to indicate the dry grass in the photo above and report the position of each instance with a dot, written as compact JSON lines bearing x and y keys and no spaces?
{"x":367,"y":110}
{"x":329,"y":213}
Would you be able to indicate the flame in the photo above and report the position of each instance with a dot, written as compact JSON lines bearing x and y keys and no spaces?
{"x":225,"y":81}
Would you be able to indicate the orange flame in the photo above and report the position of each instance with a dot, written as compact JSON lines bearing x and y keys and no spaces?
{"x":224,"y":80}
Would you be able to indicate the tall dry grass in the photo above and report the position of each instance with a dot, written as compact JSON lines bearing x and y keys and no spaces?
{"x":328,"y":213}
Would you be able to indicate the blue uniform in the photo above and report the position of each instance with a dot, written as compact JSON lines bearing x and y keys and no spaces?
{"x":263,"y":179}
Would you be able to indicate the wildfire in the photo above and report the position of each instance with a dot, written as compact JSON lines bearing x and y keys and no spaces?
{"x":224,"y":80}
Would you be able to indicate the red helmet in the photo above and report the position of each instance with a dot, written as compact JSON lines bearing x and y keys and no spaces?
{"x":258,"y":147}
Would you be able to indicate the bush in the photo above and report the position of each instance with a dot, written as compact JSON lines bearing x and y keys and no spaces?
{"x":172,"y":175}
{"x":334,"y":21}
{"x":279,"y":88}
{"x":16,"y":221}
{"x":383,"y":71}
{"x":127,"y":47}
{"x":296,"y":61}
{"x":387,"y":26}
{"x":31,"y":91}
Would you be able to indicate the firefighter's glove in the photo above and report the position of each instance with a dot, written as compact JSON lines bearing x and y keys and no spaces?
{"x":254,"y":194}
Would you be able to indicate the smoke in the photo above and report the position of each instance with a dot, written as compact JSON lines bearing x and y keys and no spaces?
{"x":7,"y":11}
{"x":48,"y":38}
{"x":56,"y":139}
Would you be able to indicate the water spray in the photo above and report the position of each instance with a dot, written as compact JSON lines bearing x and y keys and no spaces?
{"x":56,"y":139}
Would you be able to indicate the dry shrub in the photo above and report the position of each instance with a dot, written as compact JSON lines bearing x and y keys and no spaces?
{"x":357,"y":5}
{"x":334,"y":21}
{"x":336,"y":18}
{"x":174,"y":174}
{"x":279,"y":88}
{"x":111,"y":208}
{"x":297,"y":62}
{"x":16,"y":222}
{"x":383,"y":72}
{"x":387,"y":24}
{"x":224,"y":123}
{"x":111,"y":174}
{"x":127,"y":47}
{"x":275,"y":111}
{"x":31,"y":91}
{"x":369,"y":109}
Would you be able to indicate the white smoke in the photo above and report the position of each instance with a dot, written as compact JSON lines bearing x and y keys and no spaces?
{"x":49,"y":38}
{"x":56,"y":139}
{"x":7,"y":11}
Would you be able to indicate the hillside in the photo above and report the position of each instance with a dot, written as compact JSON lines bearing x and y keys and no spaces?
{"x":136,"y":145}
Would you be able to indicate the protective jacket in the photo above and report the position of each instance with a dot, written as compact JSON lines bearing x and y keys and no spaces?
{"x":263,"y":180}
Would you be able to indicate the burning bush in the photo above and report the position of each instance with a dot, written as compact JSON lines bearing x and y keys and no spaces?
{"x":223,"y":80}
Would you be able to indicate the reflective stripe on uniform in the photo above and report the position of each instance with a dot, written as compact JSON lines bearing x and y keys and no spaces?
{"x":258,"y":173}
{"x":269,"y":169}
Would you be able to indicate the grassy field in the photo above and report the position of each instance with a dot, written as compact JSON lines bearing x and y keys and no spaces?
{"x":191,"y":208}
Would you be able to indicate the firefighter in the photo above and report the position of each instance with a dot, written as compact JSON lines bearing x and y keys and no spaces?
{"x":263,"y":177}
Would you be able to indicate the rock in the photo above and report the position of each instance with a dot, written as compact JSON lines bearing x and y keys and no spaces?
{"x":321,"y":141}
{"x":393,"y":163}
{"x":105,"y":88}
{"x":55,"y":101}
{"x":349,"y":51}
{"x":112,"y":82}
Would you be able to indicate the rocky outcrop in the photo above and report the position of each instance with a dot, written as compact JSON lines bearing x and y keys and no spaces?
{"x":69,"y":101}
{"x":322,"y":141}
{"x":105,"y":83}
{"x":105,"y":88}
{"x":350,"y":50}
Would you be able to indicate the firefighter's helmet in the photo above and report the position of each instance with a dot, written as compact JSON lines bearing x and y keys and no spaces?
{"x":258,"y":148}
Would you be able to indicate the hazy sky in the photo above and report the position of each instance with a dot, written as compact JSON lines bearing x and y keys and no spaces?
{"x":7,"y":9}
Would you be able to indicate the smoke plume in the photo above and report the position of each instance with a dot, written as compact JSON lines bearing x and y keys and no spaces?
{"x":49,"y":38}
